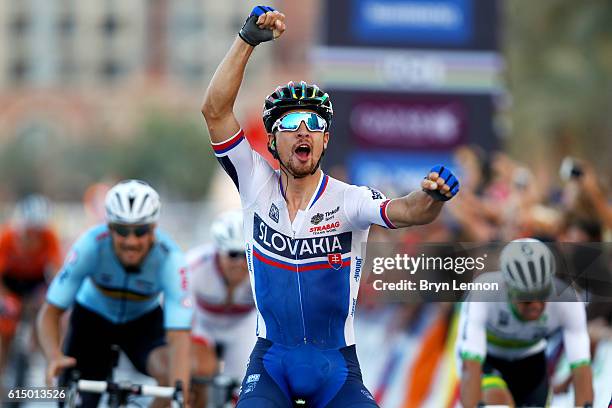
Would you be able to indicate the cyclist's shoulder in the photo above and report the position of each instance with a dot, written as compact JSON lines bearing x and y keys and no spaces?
{"x":94,"y":236}
{"x":338,"y":185}
{"x":354,"y":191}
{"x":563,"y":309}
{"x":167,"y":251}
{"x":90,"y":242}
{"x":564,"y":292}
{"x":166,"y":242}
{"x":339,"y":189}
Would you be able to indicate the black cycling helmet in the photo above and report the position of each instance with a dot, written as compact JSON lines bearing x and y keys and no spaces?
{"x":291,"y":97}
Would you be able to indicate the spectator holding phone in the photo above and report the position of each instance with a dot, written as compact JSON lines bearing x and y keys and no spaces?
{"x":584,"y":193}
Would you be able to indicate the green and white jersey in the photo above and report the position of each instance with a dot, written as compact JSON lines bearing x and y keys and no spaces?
{"x":496,"y":329}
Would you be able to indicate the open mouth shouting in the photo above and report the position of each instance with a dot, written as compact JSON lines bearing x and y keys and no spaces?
{"x":302,"y":151}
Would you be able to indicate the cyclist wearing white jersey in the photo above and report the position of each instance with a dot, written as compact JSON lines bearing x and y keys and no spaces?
{"x":224,"y":310}
{"x":304,"y":233}
{"x":113,"y":279}
{"x":502,"y":344}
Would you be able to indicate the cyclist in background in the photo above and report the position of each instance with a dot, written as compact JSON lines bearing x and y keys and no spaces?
{"x":113,"y":278}
{"x":29,"y":256}
{"x":502,"y":344}
{"x":304,"y":234}
{"x":224,"y":310}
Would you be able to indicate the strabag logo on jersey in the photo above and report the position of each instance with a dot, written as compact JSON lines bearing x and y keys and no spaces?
{"x":319,"y":229}
{"x":299,"y":248}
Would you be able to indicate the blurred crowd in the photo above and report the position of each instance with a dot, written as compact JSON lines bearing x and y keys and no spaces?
{"x":502,"y":199}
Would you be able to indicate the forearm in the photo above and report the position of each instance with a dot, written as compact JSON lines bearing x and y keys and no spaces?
{"x":48,"y":330}
{"x":583,"y":385}
{"x":604,"y":212}
{"x":416,"y":208}
{"x":225,"y":84}
{"x":470,"y":388}
{"x":179,"y":358}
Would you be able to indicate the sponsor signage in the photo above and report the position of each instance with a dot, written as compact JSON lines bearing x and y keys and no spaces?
{"x":425,"y":24}
{"x":422,"y":21}
{"x":409,"y":70}
{"x":395,"y":173}
{"x":408,"y":123}
{"x":419,"y":123}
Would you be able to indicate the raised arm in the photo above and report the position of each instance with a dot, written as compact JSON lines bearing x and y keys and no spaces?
{"x":263,"y":24}
{"x":416,"y":208}
{"x":422,"y":207}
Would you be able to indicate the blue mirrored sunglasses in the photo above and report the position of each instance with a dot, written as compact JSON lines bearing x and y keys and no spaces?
{"x":292,"y":121}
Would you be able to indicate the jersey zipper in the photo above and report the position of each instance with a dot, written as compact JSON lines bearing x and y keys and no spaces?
{"x":297,"y":274}
{"x":122,"y":306}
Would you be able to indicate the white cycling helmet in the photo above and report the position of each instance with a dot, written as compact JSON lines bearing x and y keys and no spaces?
{"x":33,"y":211}
{"x":132,"y":202}
{"x":227,"y":231}
{"x":528,"y":266}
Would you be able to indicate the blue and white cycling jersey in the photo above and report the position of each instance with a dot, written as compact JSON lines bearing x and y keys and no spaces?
{"x":304,"y":274}
{"x":93,"y":275}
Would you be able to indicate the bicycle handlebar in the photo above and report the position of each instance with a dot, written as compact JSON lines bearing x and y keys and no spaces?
{"x":100,"y":387}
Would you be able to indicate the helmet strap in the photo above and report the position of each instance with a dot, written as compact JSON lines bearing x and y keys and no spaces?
{"x":318,"y":162}
{"x":273,"y":149}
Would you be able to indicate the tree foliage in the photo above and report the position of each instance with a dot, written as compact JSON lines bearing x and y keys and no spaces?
{"x":559,"y":56}
{"x":171,"y":153}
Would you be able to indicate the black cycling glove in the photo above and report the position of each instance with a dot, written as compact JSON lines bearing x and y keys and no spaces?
{"x":251,"y":33}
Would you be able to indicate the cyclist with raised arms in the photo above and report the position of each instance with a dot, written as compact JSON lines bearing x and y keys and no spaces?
{"x":113,"y":278}
{"x":224,"y":311}
{"x":304,"y":233}
{"x":502,"y":344}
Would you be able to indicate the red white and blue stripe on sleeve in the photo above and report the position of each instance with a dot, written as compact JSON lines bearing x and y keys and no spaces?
{"x":383,"y":214}
{"x":221,"y":152}
{"x":224,"y":147}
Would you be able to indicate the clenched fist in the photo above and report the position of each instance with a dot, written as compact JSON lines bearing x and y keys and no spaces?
{"x":263,"y":24}
{"x":441,"y":184}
